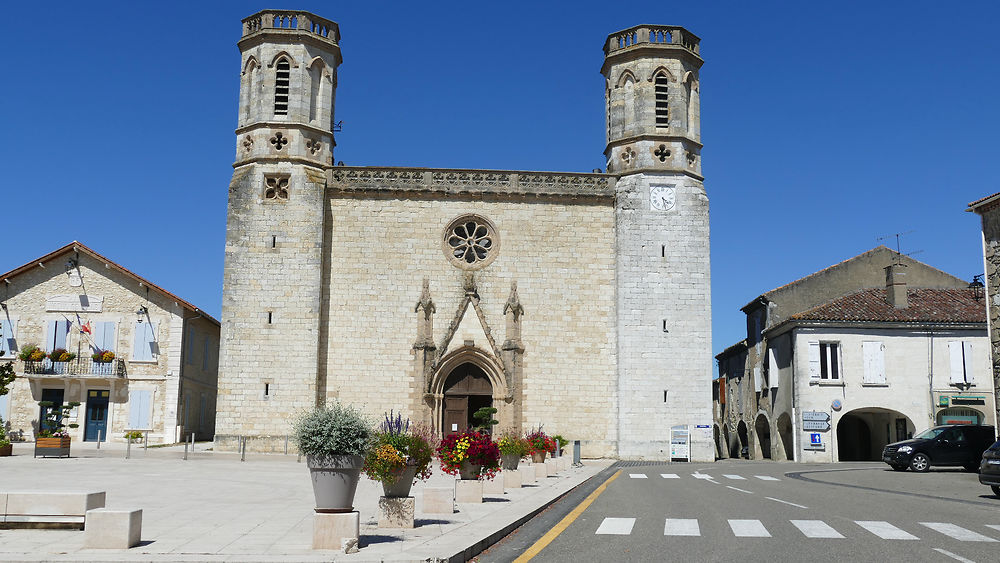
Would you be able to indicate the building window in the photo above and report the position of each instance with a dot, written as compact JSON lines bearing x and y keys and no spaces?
{"x":660,"y":83}
{"x":8,"y":338}
{"x":56,"y":336}
{"x":824,"y":360}
{"x":471,"y":242}
{"x":281,"y":84}
{"x":145,"y":347}
{"x":960,"y":352}
{"x":874,"y":357}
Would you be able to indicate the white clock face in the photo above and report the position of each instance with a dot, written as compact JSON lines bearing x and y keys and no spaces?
{"x":661,"y":198}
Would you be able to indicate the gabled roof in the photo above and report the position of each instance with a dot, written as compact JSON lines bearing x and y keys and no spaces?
{"x":77,"y":246}
{"x":957,"y":306}
{"x":982,"y":204}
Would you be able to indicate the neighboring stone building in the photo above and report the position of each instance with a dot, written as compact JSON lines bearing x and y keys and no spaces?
{"x":880,"y":345}
{"x":988,"y":208}
{"x":577,"y":301}
{"x":162,"y":379}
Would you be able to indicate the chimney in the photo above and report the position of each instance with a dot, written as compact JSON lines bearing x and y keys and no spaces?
{"x":895,"y":285}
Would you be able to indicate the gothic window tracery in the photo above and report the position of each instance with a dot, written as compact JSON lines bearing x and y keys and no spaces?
{"x":471,"y":242}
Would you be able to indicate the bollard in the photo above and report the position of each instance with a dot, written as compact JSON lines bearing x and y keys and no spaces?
{"x":576,"y":452}
{"x":98,"y":439}
{"x":128,"y":449}
{"x":192,"y":443}
{"x":185,"y":451}
{"x":286,"y":444}
{"x":145,"y":441}
{"x":243,"y":449}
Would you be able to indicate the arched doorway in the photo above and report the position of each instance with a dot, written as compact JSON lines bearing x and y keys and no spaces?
{"x":763,"y":429}
{"x":741,"y":433}
{"x":466,"y":390}
{"x":717,"y":436}
{"x":728,"y":442}
{"x":862,"y":433}
{"x":785,"y":436}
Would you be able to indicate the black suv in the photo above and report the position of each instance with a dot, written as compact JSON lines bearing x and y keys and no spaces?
{"x":956,"y":444}
{"x":989,"y":469}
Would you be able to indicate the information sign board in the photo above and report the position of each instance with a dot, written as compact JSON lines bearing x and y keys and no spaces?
{"x":821,"y":425}
{"x":680,"y":442}
{"x":815,"y":415}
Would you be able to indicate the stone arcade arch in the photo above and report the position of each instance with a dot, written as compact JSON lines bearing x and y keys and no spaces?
{"x":862,"y":433}
{"x":784,"y":427}
{"x":744,"y":440}
{"x":466,"y":380}
{"x":762,"y":427}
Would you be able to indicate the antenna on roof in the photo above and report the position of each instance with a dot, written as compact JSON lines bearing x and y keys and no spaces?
{"x":899,"y":253}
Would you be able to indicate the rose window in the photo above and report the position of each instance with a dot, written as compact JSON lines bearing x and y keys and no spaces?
{"x":470,"y":242}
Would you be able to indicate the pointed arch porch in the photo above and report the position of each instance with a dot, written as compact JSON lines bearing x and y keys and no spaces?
{"x":494,"y":372}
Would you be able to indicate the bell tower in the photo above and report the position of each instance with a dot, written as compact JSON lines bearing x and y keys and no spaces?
{"x":662,"y":237}
{"x":269,"y":354}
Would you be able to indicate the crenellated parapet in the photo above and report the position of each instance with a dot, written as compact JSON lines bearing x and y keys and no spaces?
{"x":659,"y":35}
{"x":470,"y":181}
{"x":291,"y":21}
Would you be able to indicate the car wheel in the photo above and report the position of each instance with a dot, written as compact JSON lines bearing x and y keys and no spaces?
{"x":899,"y":468}
{"x":996,"y":489}
{"x":920,"y":463}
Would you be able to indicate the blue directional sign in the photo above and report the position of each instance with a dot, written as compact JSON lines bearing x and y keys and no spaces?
{"x":815,"y":438}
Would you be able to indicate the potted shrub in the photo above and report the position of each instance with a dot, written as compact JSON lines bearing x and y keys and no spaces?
{"x":103,"y":357}
{"x":6,"y":448}
{"x":512,"y":448}
{"x":134,"y":436}
{"x":334,"y":440}
{"x":539,"y":443}
{"x":31,"y":353}
{"x":561,"y":443}
{"x":401,"y":453}
{"x":470,"y":455}
{"x":53,"y":438}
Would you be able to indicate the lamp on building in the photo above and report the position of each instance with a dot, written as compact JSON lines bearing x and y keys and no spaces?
{"x":977,"y":286}
{"x":142,"y":312}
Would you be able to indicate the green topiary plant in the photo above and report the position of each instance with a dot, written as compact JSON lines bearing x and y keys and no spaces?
{"x":484,"y":419}
{"x":335,"y":430}
{"x":53,"y":425}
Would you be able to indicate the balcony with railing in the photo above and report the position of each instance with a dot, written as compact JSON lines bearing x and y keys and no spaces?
{"x":78,"y":367}
{"x":291,"y":21}
{"x":665,"y":35}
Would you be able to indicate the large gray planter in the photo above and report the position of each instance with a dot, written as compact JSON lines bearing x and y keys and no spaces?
{"x":401,"y":487}
{"x":510,"y":461}
{"x":335,"y":480}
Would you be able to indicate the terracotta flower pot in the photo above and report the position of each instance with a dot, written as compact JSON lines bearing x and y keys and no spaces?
{"x":401,"y":486}
{"x":538,"y":457}
{"x":335,"y":480}
{"x":510,"y":461}
{"x":469,"y":471}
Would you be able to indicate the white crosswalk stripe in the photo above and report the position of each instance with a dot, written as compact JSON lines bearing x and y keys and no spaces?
{"x":885,"y":530}
{"x":994,"y":526}
{"x":767,"y":478}
{"x":748,"y":529}
{"x":681,"y":527}
{"x":734,"y":477}
{"x":616,"y":526}
{"x":957,"y":532}
{"x":816,"y":529}
{"x":637,"y":475}
{"x":670,"y":475}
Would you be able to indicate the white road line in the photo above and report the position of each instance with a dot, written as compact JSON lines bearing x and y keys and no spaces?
{"x":767,"y":478}
{"x":669,"y":476}
{"x":994,"y":526}
{"x":953,"y":556}
{"x":885,"y":530}
{"x":957,"y":532}
{"x":705,"y":476}
{"x":681,"y":527}
{"x":616,"y":526}
{"x":740,"y":490}
{"x":748,"y":529}
{"x":785,"y":502}
{"x":637,"y":475}
{"x":816,"y":529}
{"x":734,"y":477}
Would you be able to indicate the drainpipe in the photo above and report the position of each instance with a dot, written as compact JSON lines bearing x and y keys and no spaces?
{"x":930,"y":376}
{"x":795,"y":400}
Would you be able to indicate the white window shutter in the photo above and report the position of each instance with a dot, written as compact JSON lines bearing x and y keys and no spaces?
{"x":880,"y":363}
{"x":814,"y":359}
{"x":956,"y":361}
{"x":874,"y":358}
{"x":50,"y":337}
{"x":772,"y":369}
{"x":133,"y":409}
{"x":967,"y":356}
{"x":758,"y":384}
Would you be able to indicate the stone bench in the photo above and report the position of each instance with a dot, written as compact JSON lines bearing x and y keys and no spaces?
{"x":108,"y":528}
{"x":48,"y":509}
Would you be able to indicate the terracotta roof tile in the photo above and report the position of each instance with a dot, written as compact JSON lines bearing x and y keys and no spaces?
{"x":925,"y":305}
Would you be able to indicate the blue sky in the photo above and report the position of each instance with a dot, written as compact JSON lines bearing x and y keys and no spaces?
{"x":826,"y":125}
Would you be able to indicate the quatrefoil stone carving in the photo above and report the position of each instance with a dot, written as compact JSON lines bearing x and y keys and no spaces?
{"x":314,"y":146}
{"x":277,"y":187}
{"x":248,"y":143}
{"x":628,"y":155}
{"x":662,"y":153}
{"x":279,"y":141}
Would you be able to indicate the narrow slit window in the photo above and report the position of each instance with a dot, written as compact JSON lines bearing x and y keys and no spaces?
{"x":267,"y":389}
{"x":274,"y":241}
{"x":281,"y":84}
{"x":269,"y":317}
{"x":661,"y":100}
{"x":663,"y":251}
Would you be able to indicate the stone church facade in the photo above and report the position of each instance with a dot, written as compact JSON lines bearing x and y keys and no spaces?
{"x":577,"y":301}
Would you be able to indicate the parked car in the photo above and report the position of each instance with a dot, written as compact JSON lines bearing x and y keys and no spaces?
{"x":989,"y":469}
{"x":954,"y":444}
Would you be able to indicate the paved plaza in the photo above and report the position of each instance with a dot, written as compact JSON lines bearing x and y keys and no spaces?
{"x":214,"y":507}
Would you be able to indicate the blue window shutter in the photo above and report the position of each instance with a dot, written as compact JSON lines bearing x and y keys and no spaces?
{"x":133,"y":409}
{"x":104,"y":336}
{"x":140,"y":349}
{"x":7,"y":344}
{"x":62,"y":330}
{"x":144,"y":397}
{"x":50,"y":336}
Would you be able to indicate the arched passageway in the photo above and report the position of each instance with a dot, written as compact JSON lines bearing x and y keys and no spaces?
{"x":763,"y":429}
{"x":466,"y":390}
{"x":717,"y":437}
{"x":862,"y":433}
{"x":744,"y":439}
{"x":785,"y":440}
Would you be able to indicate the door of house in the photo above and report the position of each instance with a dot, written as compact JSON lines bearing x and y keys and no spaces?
{"x":456,"y":414}
{"x":96,"y":427}
{"x":54,"y":396}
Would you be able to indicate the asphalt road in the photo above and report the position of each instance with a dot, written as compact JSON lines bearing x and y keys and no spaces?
{"x":760,"y":511}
